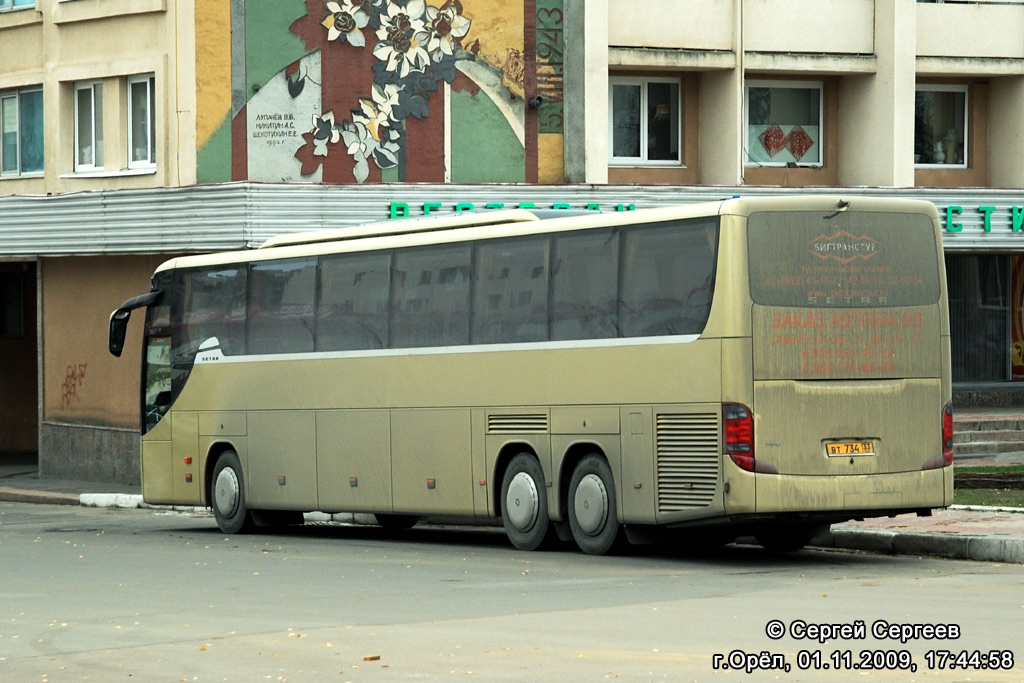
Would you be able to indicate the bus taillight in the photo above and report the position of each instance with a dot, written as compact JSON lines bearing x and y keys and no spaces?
{"x":738,"y":423}
{"x":947,"y":435}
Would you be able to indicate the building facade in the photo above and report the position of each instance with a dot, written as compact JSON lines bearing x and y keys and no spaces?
{"x":133,"y":130}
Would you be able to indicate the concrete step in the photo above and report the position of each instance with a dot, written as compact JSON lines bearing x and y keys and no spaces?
{"x":986,"y":449}
{"x":984,"y":434}
{"x":991,"y":424}
{"x":987,"y":435}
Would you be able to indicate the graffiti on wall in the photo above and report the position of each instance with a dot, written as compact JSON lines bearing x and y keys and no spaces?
{"x":73,"y":379}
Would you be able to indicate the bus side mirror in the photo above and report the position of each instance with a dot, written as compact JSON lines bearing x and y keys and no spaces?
{"x":118,"y":330}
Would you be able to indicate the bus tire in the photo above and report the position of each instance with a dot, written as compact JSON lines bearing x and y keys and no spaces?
{"x":787,"y":538}
{"x":592,"y":511}
{"x":228,"y":499}
{"x":524,"y":503}
{"x":393,"y":522}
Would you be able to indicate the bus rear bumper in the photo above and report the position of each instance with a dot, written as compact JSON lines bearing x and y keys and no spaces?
{"x":890,"y":493}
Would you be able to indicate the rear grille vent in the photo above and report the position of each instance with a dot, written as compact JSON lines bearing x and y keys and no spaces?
{"x":688,"y":460}
{"x":517,"y":424}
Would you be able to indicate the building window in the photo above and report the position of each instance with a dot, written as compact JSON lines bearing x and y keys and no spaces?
{"x":940,"y":126}
{"x":16,"y":4}
{"x":980,"y":314}
{"x":784,"y":123}
{"x":141,"y":121}
{"x":21,"y":132}
{"x":646,"y":121}
{"x":88,"y":126}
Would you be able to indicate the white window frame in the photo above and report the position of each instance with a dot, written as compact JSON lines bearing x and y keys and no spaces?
{"x":642,"y":160}
{"x":149,"y":159}
{"x":15,"y":96}
{"x":931,"y":87}
{"x":784,"y":85}
{"x":96,"y":90}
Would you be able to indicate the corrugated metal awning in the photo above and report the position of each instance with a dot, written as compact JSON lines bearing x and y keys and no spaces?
{"x":206,"y":218}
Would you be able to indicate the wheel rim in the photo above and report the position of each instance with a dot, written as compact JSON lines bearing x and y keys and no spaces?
{"x":522,"y":502}
{"x":226,"y":492}
{"x":591,"y":504}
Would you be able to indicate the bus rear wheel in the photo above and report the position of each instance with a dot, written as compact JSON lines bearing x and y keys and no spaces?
{"x":393,"y":522}
{"x":228,"y":499}
{"x":524,"y":503}
{"x":592,"y":511}
{"x":787,"y":538}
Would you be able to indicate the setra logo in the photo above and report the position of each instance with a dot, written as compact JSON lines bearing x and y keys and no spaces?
{"x":844,"y":247}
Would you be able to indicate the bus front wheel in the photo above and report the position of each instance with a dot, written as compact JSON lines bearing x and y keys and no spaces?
{"x":229,"y":508}
{"x":592,"y":512}
{"x":524,"y":503}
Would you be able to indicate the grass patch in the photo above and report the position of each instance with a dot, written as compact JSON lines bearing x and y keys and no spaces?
{"x":989,"y":469}
{"x":1013,"y":498}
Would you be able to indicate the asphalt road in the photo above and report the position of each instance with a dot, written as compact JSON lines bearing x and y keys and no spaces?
{"x":105,"y":595}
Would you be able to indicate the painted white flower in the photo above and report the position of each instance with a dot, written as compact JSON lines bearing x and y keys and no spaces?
{"x":356,"y":138}
{"x":324,"y":132}
{"x":403,"y":36}
{"x":345,"y":22}
{"x":404,"y":54}
{"x":444,"y":28}
{"x":377,"y":113}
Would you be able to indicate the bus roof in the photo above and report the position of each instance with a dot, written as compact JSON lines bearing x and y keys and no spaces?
{"x":502,"y":223}
{"x":403,"y":226}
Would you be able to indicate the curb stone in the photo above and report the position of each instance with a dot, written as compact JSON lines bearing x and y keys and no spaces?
{"x":955,"y":547}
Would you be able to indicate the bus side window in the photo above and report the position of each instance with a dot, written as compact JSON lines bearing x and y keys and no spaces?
{"x":667,"y":280}
{"x":430,"y":304}
{"x":510,"y":298}
{"x":213,"y":305}
{"x":280,"y":315}
{"x":352,"y":308}
{"x":583,"y":286}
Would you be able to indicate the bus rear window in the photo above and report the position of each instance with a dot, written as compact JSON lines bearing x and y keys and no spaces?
{"x":842,"y":259}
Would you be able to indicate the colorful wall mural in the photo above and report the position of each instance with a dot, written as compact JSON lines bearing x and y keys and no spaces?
{"x":368,"y":91}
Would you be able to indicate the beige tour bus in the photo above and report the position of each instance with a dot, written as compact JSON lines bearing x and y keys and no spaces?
{"x":757,"y":366}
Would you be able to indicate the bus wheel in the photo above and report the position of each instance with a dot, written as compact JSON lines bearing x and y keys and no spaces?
{"x":524,"y":503}
{"x":396,"y":522}
{"x":228,"y":498}
{"x":786,"y":538}
{"x":592,"y":516}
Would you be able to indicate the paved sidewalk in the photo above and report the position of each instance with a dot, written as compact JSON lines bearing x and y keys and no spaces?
{"x":987,"y":534}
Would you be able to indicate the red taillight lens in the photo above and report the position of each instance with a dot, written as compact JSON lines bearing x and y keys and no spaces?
{"x":947,"y":435}
{"x":738,"y":423}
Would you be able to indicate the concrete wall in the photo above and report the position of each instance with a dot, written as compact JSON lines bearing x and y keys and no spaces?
{"x":970,"y":30}
{"x":89,"y":453}
{"x":695,"y":24}
{"x":809,"y":26}
{"x":90,"y":399}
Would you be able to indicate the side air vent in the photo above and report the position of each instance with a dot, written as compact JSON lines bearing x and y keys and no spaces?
{"x":517,"y":424}
{"x":688,"y":457}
